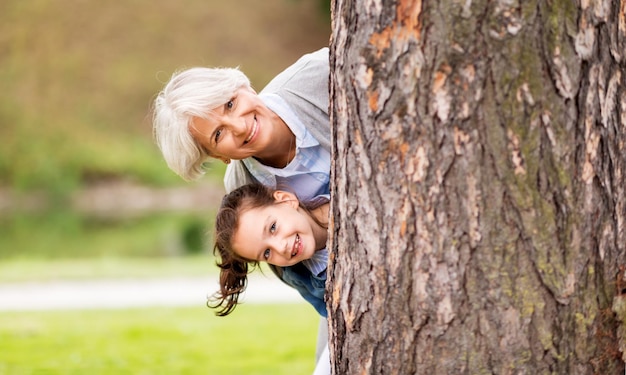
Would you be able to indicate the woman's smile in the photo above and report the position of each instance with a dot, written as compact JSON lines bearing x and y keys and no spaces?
{"x":242,"y":128}
{"x":253,"y":132}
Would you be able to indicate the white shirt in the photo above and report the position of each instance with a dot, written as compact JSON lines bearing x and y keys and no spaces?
{"x":308,"y":173}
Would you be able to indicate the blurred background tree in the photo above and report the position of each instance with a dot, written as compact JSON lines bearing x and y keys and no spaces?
{"x":78,"y":81}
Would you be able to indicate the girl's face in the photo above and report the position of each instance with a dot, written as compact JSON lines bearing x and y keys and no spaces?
{"x":280,"y":234}
{"x":239,"y":129}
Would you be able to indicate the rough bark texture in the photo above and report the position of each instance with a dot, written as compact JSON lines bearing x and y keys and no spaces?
{"x":479,"y":195}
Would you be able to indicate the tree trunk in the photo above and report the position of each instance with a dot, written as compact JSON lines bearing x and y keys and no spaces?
{"x":479,"y":187}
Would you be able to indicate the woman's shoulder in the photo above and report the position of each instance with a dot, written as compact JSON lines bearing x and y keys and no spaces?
{"x":304,"y":86}
{"x":309,"y":71}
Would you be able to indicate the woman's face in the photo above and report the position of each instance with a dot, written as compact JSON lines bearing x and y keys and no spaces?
{"x":239,"y":129}
{"x":280,"y":234}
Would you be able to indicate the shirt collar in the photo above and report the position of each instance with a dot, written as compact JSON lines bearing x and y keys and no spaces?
{"x":279,"y":106}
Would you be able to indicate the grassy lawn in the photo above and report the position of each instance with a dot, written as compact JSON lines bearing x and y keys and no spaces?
{"x":27,"y":270}
{"x":21,"y":270}
{"x":255,"y":339}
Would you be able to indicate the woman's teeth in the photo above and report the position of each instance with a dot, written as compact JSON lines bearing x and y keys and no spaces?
{"x":253,"y":132}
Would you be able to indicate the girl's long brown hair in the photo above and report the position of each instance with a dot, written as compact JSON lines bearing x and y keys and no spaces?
{"x":234,"y":269}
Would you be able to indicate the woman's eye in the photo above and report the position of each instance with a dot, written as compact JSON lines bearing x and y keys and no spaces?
{"x":217,"y":135}
{"x":230,"y":104}
{"x":266,"y":254}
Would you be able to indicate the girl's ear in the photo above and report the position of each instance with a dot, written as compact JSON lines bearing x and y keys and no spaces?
{"x":281,"y":196}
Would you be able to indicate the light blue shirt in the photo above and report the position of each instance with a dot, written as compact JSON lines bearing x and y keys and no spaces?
{"x":308,"y":173}
{"x":318,"y":262}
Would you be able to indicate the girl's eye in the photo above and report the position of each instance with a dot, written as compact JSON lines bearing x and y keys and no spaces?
{"x":273,"y":228}
{"x":217,"y":135}
{"x":266,"y":254}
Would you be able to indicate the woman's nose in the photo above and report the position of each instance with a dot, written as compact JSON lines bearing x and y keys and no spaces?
{"x":237,"y":127}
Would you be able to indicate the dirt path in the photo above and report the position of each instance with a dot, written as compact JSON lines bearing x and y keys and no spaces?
{"x":127,"y":293}
{"x":123,"y":199}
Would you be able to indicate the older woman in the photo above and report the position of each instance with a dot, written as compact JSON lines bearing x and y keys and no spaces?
{"x":279,"y":137}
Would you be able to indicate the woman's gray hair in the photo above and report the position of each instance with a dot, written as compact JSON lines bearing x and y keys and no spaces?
{"x":190,"y":93}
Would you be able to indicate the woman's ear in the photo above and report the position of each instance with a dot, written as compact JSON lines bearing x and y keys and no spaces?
{"x":225,"y":160}
{"x":281,"y":196}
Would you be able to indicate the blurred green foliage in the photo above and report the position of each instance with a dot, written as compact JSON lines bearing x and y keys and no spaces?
{"x":58,"y":234}
{"x":193,"y":235}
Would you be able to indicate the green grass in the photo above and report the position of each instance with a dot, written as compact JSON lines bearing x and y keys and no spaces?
{"x":41,"y":270}
{"x":255,"y":339}
{"x":72,"y":269}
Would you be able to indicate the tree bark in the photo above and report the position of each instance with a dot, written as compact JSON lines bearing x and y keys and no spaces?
{"x":479,"y":187}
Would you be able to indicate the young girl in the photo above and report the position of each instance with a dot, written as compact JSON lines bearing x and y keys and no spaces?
{"x":257,"y":224}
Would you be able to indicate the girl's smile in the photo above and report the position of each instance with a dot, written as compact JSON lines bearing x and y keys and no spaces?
{"x":297,"y":246}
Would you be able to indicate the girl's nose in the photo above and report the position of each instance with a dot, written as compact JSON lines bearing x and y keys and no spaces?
{"x":281,"y":247}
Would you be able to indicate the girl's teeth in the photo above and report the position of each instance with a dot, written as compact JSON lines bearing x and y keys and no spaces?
{"x":296,"y":246}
